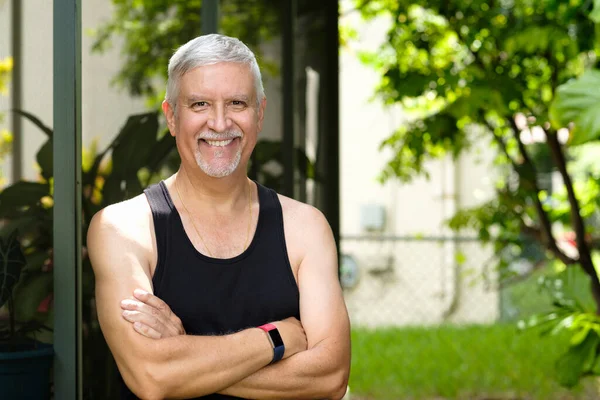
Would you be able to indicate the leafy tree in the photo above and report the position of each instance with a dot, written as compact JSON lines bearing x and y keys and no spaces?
{"x":472,"y":69}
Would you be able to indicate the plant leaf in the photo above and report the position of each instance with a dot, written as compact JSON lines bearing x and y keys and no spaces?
{"x":45,"y":158}
{"x":21,"y":194}
{"x":131,"y":151}
{"x":36,"y":121}
{"x":578,"y":101}
{"x":595,"y":14}
{"x":576,"y":361}
{"x":30,"y":292}
{"x":12,"y":261}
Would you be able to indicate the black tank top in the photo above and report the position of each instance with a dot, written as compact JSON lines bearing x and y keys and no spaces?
{"x":220,"y":296}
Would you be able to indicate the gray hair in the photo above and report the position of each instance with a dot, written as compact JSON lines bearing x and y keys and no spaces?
{"x":207,"y":50}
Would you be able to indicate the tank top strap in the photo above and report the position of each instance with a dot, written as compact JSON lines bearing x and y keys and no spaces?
{"x":162,"y":207}
{"x":269,"y":206}
{"x":272,"y":214}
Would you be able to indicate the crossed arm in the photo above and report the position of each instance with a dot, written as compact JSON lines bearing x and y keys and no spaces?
{"x":182,"y":366}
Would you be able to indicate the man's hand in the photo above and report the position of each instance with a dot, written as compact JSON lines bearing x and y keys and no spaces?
{"x":293,"y":336}
{"x":151,"y":316}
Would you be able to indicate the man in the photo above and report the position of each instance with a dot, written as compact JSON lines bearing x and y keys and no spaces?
{"x":208,"y":257}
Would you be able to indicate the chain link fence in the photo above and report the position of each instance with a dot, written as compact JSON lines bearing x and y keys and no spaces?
{"x":407,"y":280}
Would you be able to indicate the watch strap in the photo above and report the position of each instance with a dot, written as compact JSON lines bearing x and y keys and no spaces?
{"x":276,"y":341}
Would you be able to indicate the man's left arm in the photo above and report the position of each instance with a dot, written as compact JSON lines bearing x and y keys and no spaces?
{"x":321,"y":371}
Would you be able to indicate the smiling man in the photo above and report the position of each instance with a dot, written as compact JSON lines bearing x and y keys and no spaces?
{"x":202,"y":280}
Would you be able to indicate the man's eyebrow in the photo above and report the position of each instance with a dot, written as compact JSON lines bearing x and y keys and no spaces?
{"x":195,"y":97}
{"x":241,"y":97}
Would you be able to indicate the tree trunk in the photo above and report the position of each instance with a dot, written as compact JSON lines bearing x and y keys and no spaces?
{"x":585,"y":255}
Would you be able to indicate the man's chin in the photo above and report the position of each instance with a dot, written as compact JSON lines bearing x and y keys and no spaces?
{"x":221,"y":171}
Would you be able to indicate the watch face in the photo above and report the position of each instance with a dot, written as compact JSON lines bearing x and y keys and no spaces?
{"x":276,"y":338}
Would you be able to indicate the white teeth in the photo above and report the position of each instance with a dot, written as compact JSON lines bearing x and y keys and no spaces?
{"x":219,"y":143}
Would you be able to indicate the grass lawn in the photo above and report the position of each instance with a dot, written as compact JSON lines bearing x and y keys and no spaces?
{"x":446,"y":362}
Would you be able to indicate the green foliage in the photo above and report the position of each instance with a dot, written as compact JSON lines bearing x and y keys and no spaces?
{"x":153,"y":29}
{"x":595,"y":14}
{"x":574,"y":319}
{"x":578,"y":101}
{"x":12,"y":261}
{"x":471,"y":62}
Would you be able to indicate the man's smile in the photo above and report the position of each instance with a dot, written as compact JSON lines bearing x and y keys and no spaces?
{"x":218,"y":143}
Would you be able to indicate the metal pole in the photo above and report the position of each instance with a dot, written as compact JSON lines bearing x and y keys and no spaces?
{"x":331,"y":135}
{"x":67,"y":200}
{"x":209,"y":16}
{"x":289,"y":94}
{"x":17,"y":92}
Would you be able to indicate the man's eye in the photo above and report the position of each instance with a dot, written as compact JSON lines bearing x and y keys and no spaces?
{"x":199,"y":104}
{"x":238,"y":103}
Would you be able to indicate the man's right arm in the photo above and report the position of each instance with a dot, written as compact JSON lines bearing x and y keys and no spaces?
{"x":177,"y":367}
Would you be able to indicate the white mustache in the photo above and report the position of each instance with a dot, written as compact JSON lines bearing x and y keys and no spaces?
{"x":211,"y":135}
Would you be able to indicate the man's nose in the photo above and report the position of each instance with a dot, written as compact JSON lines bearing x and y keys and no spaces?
{"x":218,"y":121}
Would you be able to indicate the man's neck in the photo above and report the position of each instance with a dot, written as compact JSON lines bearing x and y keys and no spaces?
{"x":203,"y":192}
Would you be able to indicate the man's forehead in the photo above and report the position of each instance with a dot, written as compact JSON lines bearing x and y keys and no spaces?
{"x":223,"y":67}
{"x":234,"y":78}
{"x":198,"y":96}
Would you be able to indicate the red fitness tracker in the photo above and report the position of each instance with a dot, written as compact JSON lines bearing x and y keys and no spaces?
{"x":276,"y":341}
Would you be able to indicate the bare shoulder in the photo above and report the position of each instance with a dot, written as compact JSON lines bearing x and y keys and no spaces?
{"x":122,"y":228}
{"x":122,"y":218}
{"x":302,"y":216}
{"x":306,"y":230}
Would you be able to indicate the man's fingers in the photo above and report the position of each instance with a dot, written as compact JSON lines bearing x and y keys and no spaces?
{"x":134,"y":305}
{"x":145,"y":330}
{"x":135,"y":311}
{"x":129,"y":304}
{"x":147,"y":320}
{"x":152,"y":301}
{"x":158,"y":308}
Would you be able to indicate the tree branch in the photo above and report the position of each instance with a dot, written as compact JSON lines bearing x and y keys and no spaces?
{"x":548,"y":236}
{"x":544,"y":235}
{"x":585,"y":255}
{"x":500,"y":142}
{"x":561,"y":164}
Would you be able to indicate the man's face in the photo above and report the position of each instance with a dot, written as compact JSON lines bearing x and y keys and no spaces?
{"x":217,"y":119}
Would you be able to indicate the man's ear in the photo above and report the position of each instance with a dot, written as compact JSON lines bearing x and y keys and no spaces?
{"x":261,"y":113}
{"x":170,"y":116}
